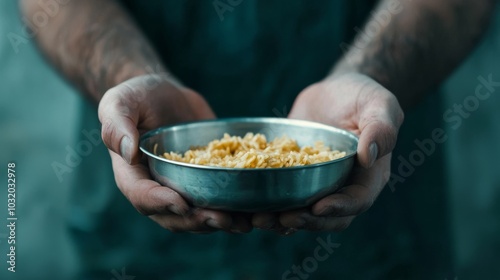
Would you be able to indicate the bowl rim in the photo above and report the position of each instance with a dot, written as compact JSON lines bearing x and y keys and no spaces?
{"x":182,"y":125}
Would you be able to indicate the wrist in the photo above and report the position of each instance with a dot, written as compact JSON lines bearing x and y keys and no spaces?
{"x":348,"y":67}
{"x":132,"y":70}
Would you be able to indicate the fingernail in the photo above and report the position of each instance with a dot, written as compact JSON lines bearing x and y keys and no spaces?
{"x":126,"y":149}
{"x":175,"y":209}
{"x":213,"y":223}
{"x":373,"y":153}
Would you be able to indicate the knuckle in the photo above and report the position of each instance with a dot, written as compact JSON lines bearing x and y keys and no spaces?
{"x":143,"y":211}
{"x":389,"y":135}
{"x":140,"y":203}
{"x":365,"y":205}
{"x":141,"y":208}
{"x":195,"y":225}
{"x":394,"y":107}
{"x":391,"y":139}
{"x":108,"y":131}
{"x":400,"y":116}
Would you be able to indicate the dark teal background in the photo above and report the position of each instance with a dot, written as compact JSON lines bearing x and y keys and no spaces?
{"x":441,"y":223}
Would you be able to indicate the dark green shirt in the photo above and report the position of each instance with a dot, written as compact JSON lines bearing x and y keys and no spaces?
{"x":251,"y":60}
{"x":254,"y":58}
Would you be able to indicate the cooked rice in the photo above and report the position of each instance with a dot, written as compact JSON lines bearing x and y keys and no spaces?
{"x":253,"y":151}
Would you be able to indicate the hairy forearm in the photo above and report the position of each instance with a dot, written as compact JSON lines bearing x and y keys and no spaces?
{"x":94,"y":43}
{"x":420,"y":44}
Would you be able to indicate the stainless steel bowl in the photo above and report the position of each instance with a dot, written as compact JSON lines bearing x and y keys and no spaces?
{"x":249,"y":190}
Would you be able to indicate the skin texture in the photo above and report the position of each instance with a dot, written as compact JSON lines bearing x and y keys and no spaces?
{"x":97,"y":46}
{"x":138,"y":105}
{"x":420,"y":45}
{"x":370,"y":111}
{"x":413,"y":51}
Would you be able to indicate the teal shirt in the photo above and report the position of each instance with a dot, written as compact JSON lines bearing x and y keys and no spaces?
{"x":254,"y":62}
{"x":254,"y":59}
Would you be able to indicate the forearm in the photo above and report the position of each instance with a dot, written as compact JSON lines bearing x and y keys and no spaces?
{"x":95,"y":44}
{"x":423,"y":41}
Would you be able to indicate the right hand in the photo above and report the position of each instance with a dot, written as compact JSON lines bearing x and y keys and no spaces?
{"x":357,"y":103}
{"x":136,"y":106}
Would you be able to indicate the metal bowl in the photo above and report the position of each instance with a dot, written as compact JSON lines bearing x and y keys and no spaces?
{"x":243,"y":189}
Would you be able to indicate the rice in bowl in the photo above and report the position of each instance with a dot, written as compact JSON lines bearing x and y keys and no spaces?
{"x":254,"y":151}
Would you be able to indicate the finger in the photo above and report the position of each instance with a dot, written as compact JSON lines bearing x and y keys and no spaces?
{"x":241,"y":223}
{"x":146,"y":195}
{"x":270,"y":222}
{"x":379,"y":128}
{"x":301,"y":219}
{"x":265,"y":220}
{"x":150,"y":198}
{"x":199,"y":220}
{"x":351,"y":200}
{"x":119,"y":116}
{"x":360,"y":195}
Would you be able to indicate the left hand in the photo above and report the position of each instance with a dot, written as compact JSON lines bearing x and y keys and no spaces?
{"x":140,"y":104}
{"x":356,"y":103}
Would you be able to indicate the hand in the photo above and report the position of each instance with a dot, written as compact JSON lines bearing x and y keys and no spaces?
{"x":141,"y":104}
{"x":357,"y":103}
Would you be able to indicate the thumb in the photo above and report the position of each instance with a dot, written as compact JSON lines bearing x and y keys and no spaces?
{"x":119,"y":117}
{"x":378,"y":136}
